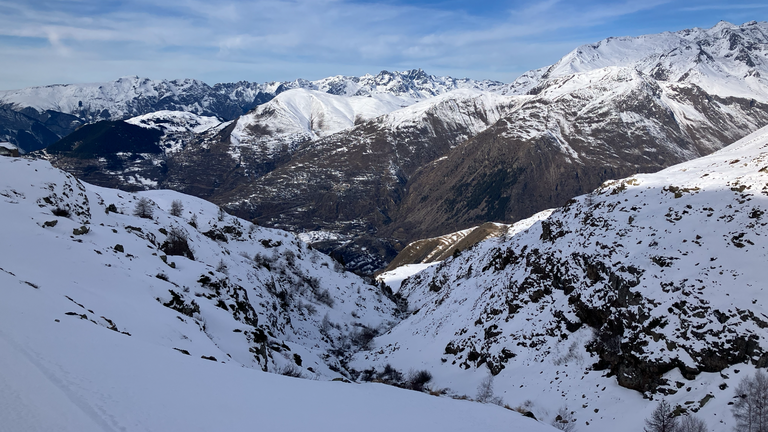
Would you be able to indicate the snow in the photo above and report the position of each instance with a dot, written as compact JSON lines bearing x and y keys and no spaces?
{"x":313,"y":114}
{"x":394,"y":278}
{"x":131,"y":96}
{"x":704,"y":217}
{"x":178,"y":127}
{"x":524,"y":224}
{"x":71,"y":375}
{"x":86,"y":342}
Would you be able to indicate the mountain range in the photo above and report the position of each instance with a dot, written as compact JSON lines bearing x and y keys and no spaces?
{"x":367,"y":165}
{"x":134,"y":96}
{"x":647,"y":288}
{"x":591,"y":241}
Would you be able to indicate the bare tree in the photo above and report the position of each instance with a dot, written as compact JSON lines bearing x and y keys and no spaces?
{"x":662,"y":419}
{"x":176,"y":208}
{"x":564,"y":420}
{"x":750,"y":409}
{"x":691,"y":423}
{"x":144,"y":208}
{"x":485,"y":392}
{"x":485,"y":389}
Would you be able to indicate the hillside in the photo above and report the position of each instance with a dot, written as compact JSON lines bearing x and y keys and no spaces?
{"x":650,"y":287}
{"x":220,"y":286}
{"x":111,"y":321}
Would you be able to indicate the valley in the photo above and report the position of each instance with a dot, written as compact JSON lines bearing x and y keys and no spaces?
{"x":392,"y":251}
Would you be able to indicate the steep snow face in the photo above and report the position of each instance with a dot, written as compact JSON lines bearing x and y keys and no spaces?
{"x":652,"y":283}
{"x":244,"y":295}
{"x":726,"y":60}
{"x":470,"y":109}
{"x":179,"y":127}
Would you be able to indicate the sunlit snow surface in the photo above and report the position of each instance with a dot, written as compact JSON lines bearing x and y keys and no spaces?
{"x":86,"y":343}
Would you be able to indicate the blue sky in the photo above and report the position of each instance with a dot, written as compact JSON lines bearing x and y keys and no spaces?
{"x":70,"y":41}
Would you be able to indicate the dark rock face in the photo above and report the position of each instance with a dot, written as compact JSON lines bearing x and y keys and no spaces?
{"x":107,"y":138}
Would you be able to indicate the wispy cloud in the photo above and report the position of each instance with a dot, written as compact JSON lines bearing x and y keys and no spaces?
{"x":283,"y":39}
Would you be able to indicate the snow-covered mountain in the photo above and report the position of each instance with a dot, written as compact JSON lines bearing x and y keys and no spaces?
{"x":134,"y":96}
{"x":112,"y":321}
{"x":653,"y":283}
{"x":178,"y":127}
{"x":726,"y":60}
{"x":578,"y":131}
{"x":297,"y":116}
{"x":352,"y":181}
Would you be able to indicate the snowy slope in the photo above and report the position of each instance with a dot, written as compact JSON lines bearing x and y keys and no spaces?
{"x":250,"y":296}
{"x":650,"y":286}
{"x":420,"y":254}
{"x":69,"y":376}
{"x":100,"y":330}
{"x":299,"y":115}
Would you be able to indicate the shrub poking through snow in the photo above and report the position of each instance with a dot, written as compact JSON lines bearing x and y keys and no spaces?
{"x":290,"y":370}
{"x":176,"y":208}
{"x":418,"y":379}
{"x":564,"y":420}
{"x":176,"y":243}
